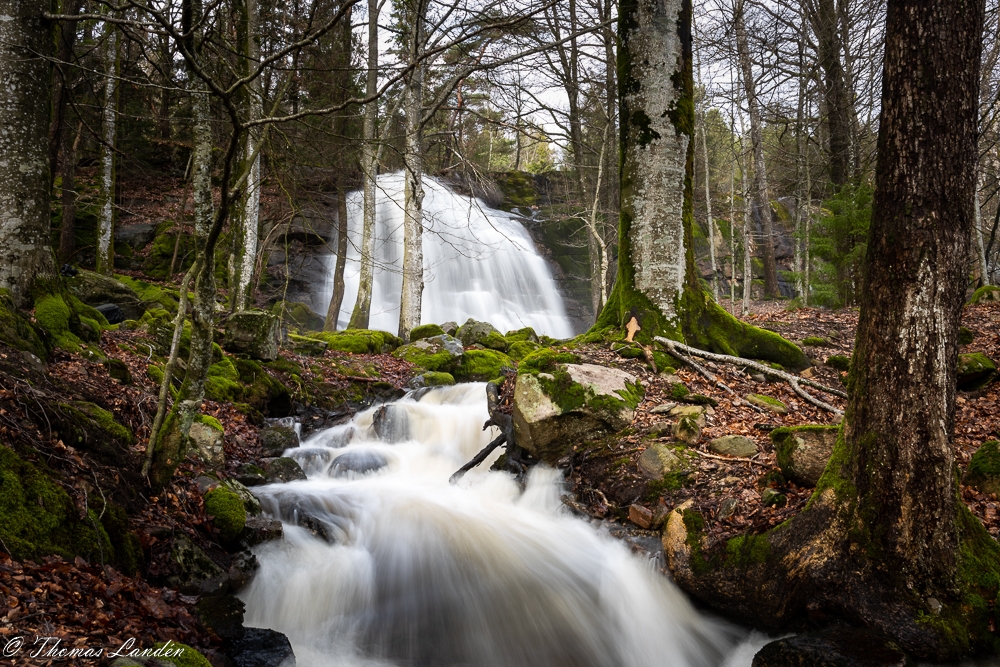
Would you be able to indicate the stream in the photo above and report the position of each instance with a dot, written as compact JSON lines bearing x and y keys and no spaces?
{"x":385,"y":563}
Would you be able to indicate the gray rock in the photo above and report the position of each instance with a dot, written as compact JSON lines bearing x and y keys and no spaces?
{"x":833,"y":647}
{"x":770,"y":497}
{"x":138,"y":235}
{"x":663,"y":409}
{"x":95,"y":290}
{"x":242,"y":569}
{"x":206,"y":444}
{"x":274,"y":440}
{"x":450,"y":328}
{"x":660,"y":429}
{"x":687,"y":430}
{"x":733,"y":445}
{"x":260,"y":529}
{"x":803,"y":451}
{"x":696,"y":412}
{"x":254,"y":333}
{"x":283,"y":469}
{"x":260,"y":647}
{"x":357,"y":462}
{"x":473,"y":332}
{"x":659,"y":460}
{"x":194,"y":572}
{"x":437,"y":353}
{"x":547,"y":431}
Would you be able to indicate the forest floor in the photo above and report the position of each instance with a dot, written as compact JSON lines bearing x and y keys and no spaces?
{"x":92,"y":604}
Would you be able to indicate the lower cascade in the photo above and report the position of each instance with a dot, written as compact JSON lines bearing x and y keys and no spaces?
{"x":478,"y":262}
{"x":386,"y":563}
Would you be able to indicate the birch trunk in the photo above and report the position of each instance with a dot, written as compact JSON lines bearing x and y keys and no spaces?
{"x":333,"y":310}
{"x":26,"y":79}
{"x":413,"y":169}
{"x":105,"y":251}
{"x":708,"y":191}
{"x":369,"y":174}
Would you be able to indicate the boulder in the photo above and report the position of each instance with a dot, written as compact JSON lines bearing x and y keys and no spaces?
{"x":243,"y":568}
{"x":768,"y":403}
{"x":975,"y":371}
{"x":425,"y":331}
{"x":438,"y":353}
{"x":431,"y":379}
{"x":357,"y":462}
{"x":274,"y":440}
{"x":194,"y":573}
{"x":568,"y":403}
{"x":482,"y":365}
{"x":833,"y":647}
{"x":520,"y":349}
{"x":663,"y":409}
{"x":359,"y":341}
{"x":118,"y":370}
{"x":659,"y":460}
{"x":258,"y":530}
{"x":259,"y":647}
{"x":661,"y":429}
{"x":206,"y":441}
{"x":687,"y":430}
{"x":733,"y":445}
{"x":283,"y":469}
{"x":254,"y":333}
{"x":803,"y":451}
{"x":450,"y":328}
{"x":527,"y":334}
{"x":298,"y":315}
{"x":94,"y":289}
{"x":984,"y":468}
{"x":250,"y":474}
{"x":222,"y":614}
{"x":138,"y":235}
{"x":112,"y":312}
{"x":473,"y":332}
{"x":311,"y":347}
{"x":89,"y":427}
{"x":227,"y":512}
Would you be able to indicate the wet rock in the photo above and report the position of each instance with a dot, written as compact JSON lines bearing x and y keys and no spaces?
{"x":640,"y":516}
{"x":473,"y":332}
{"x":259,"y":530}
{"x":222,"y":614}
{"x":194,"y":572}
{"x":250,"y":502}
{"x":803,"y":451}
{"x":584,"y":402}
{"x":768,"y":403}
{"x":283,"y":469}
{"x":733,"y":445}
{"x":274,"y":440}
{"x":112,"y":312}
{"x":431,"y":379}
{"x":390,"y":423}
{"x":975,"y":371}
{"x":438,"y":353}
{"x":834,"y":647}
{"x":254,"y":333}
{"x":687,"y":430}
{"x":659,"y":460}
{"x":260,"y":647}
{"x":250,"y":474}
{"x":242,"y":569}
{"x":312,"y":459}
{"x":358,"y":462}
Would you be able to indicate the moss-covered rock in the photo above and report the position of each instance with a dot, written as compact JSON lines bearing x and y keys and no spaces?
{"x":482,"y":365}
{"x":181,"y":655}
{"x":128,"y":556}
{"x":118,"y":370}
{"x":91,"y":428}
{"x":518,"y":350}
{"x":227,"y":512}
{"x":52,"y":313}
{"x":297,"y":315}
{"x":473,"y":332}
{"x":39,"y":517}
{"x":527,"y":334}
{"x":94,"y":289}
{"x":839,"y":361}
{"x":261,"y":390}
{"x":283,"y":469}
{"x":161,"y":251}
{"x":768,"y":403}
{"x":432,"y":379}
{"x":425,"y":331}
{"x":193,"y":571}
{"x":965,"y":336}
{"x":206,"y":439}
{"x":815,"y":341}
{"x":16,"y":330}
{"x":687,"y":430}
{"x":274,"y":440}
{"x":312,"y":347}
{"x":359,"y":341}
{"x":152,"y":296}
{"x":254,"y":333}
{"x":804,"y":451}
{"x":975,"y":371}
{"x":438,"y":353}
{"x":986,"y":294}
{"x":984,"y":468}
{"x":558,"y":403}
{"x":733,"y":445}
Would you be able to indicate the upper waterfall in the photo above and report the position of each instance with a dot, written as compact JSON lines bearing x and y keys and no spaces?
{"x":478,"y":262}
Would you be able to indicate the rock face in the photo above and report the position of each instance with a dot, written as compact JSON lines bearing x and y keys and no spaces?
{"x":574,"y":402}
{"x":733,"y":445}
{"x":96,"y":290}
{"x":254,"y":333}
{"x":834,"y":647}
{"x":438,"y":353}
{"x":803,"y":451}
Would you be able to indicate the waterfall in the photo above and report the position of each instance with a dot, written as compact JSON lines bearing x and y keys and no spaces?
{"x":478,"y":262}
{"x":392,"y":565}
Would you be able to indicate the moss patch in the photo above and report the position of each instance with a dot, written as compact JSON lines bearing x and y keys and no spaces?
{"x":482,"y":365}
{"x":16,"y":330}
{"x":986,"y":294}
{"x":227,"y":512}
{"x":839,"y":361}
{"x":187,"y":656}
{"x":435,"y":379}
{"x":518,"y":350}
{"x":815,"y":341}
{"x":87,"y":426}
{"x":975,"y":371}
{"x":425,"y":331}
{"x":52,"y":313}
{"x":359,"y":341}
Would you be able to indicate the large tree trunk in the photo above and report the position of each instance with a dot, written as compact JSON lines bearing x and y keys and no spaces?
{"x":66,"y":38}
{"x":105,"y":251}
{"x":886,"y":540}
{"x":369,"y":174}
{"x":25,"y":78}
{"x":761,"y":194}
{"x":413,"y":170}
{"x":825,"y":24}
{"x":658,"y":282}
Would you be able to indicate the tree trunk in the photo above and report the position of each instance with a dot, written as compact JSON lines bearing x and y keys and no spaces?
{"x":107,"y":213}
{"x":67,"y":228}
{"x":761,"y":194}
{"x":829,"y":47}
{"x":246,"y":215}
{"x":658,"y":282}
{"x":333,"y":311}
{"x":26,"y":79}
{"x":885,"y":540}
{"x":369,"y":174}
{"x":66,"y":38}
{"x":413,"y":170}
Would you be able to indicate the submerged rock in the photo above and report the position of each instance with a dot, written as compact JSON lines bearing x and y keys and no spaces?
{"x":834,"y":647}
{"x":358,"y":462}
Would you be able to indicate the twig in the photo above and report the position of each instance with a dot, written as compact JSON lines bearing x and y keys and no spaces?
{"x":669,"y":344}
{"x":737,"y":459}
{"x":812,"y":399}
{"x":478,"y":458}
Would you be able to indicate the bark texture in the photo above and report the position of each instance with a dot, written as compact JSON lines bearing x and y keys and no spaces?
{"x":823,"y":16}
{"x":337,"y":299}
{"x":885,"y":540}
{"x":25,"y":79}
{"x":105,"y":255}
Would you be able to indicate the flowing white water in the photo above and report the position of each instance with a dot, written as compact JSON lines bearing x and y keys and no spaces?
{"x":417,"y":571}
{"x":478,"y":262}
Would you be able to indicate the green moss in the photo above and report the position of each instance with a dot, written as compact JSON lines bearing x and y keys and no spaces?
{"x":965,"y":336}
{"x":518,"y":189}
{"x":87,"y":426}
{"x":986,"y":461}
{"x":632,"y":352}
{"x":210,"y":421}
{"x":986,"y":294}
{"x":40,"y":518}
{"x":815,"y":341}
{"x":784,"y":442}
{"x":839,"y":361}
{"x":671,"y":481}
{"x":260,"y":390}
{"x":154,"y":295}
{"x":155,"y":373}
{"x":766,"y":399}
{"x":188,"y":657}
{"x":298,"y":315}
{"x":161,"y":251}
{"x":495,"y":341}
{"x":679,"y":391}
{"x":16,"y":330}
{"x":226,"y":508}
{"x":435,"y":379}
{"x":223,"y":390}
{"x":544,"y":360}
{"x":359,"y":341}
{"x":520,"y":349}
{"x":527,"y":334}
{"x":482,"y":365}
{"x":224,"y":369}
{"x":975,"y":371}
{"x":128,"y":554}
{"x":747,"y":550}
{"x":425,"y":331}
{"x":664,"y":361}
{"x":52,"y":313}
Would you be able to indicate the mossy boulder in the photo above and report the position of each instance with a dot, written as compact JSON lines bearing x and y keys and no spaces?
{"x":153,"y":296}
{"x":804,"y":451}
{"x":91,"y":428}
{"x":975,"y":371}
{"x":965,"y":336}
{"x":482,"y":365}
{"x":839,"y":361}
{"x":274,"y":440}
{"x":298,"y":315}
{"x":95,"y":289}
{"x":687,"y":430}
{"x":359,"y":341}
{"x":986,"y":294}
{"x":227,"y":512}
{"x":222,"y":383}
{"x":527,"y":334}
{"x":984,"y":468}
{"x":283,"y":469}
{"x":438,"y":353}
{"x":311,"y":347}
{"x":432,"y":379}
{"x":161,"y":251}
{"x":815,"y":341}
{"x":39,"y":517}
{"x":261,"y":390}
{"x":254,"y":333}
{"x":659,"y":460}
{"x":206,"y":439}
{"x":425,"y":331}
{"x":768,"y":403}
{"x":558,"y":403}
{"x":473,"y":332}
{"x":520,"y":349}
{"x":16,"y":330}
